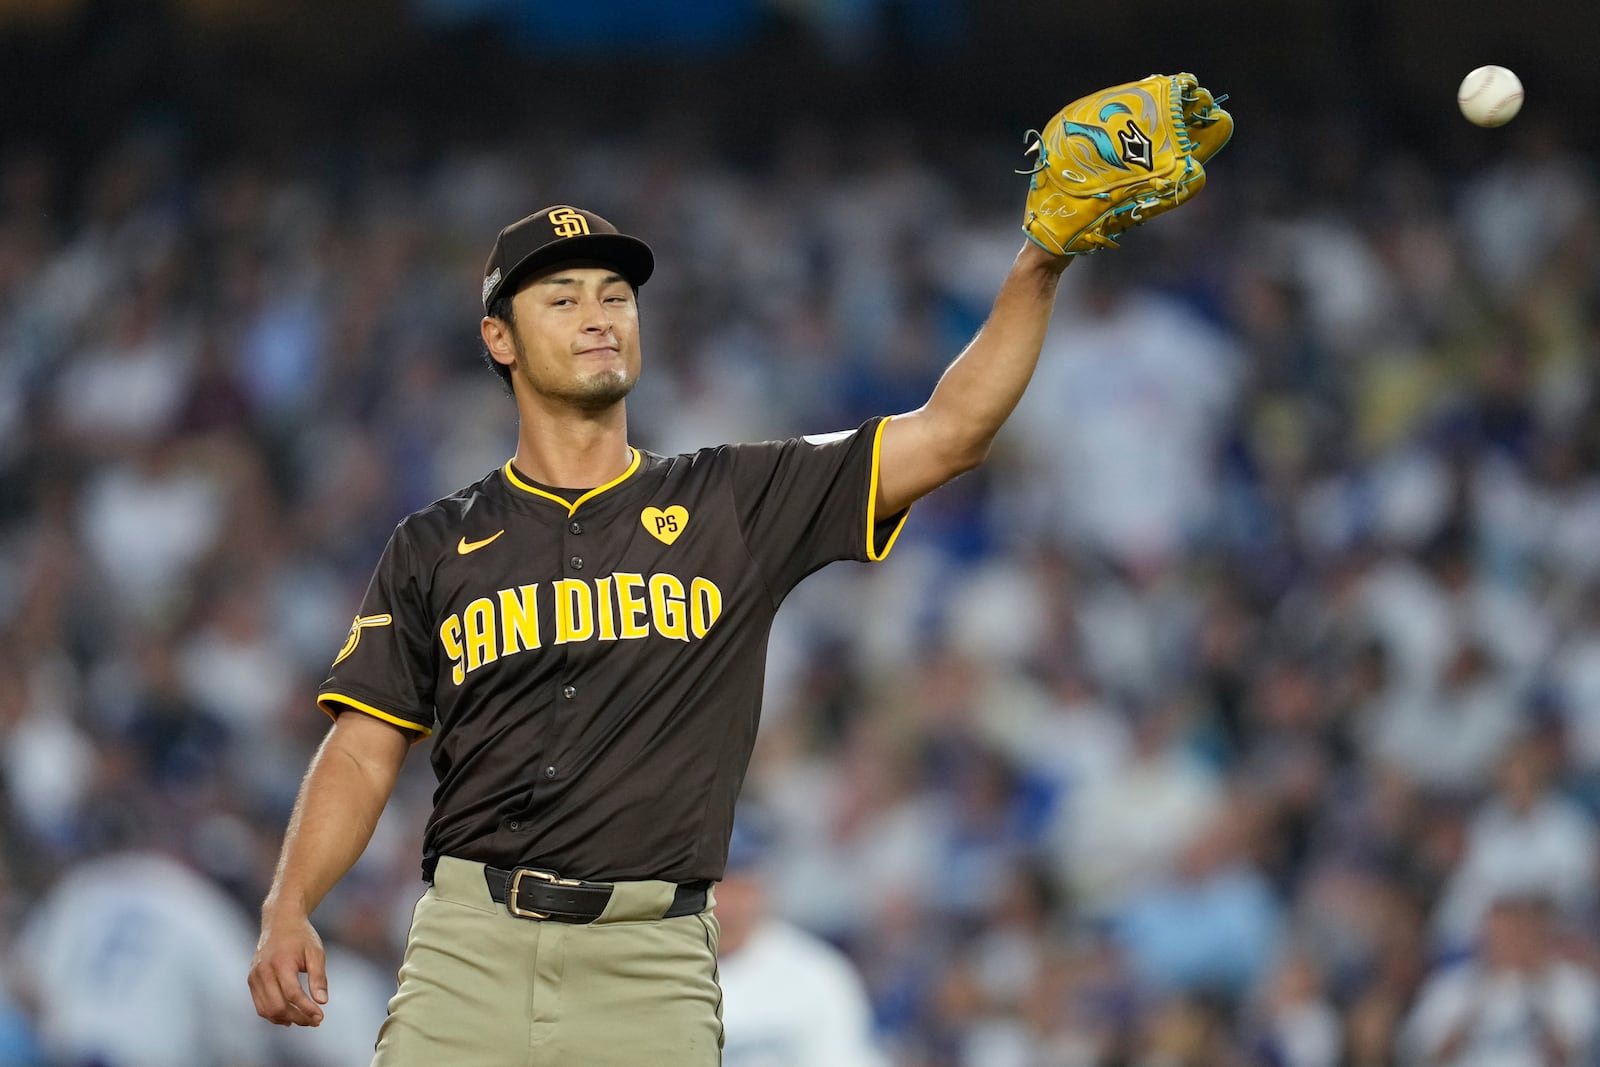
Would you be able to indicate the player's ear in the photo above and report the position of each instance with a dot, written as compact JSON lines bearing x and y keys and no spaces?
{"x":497,"y":340}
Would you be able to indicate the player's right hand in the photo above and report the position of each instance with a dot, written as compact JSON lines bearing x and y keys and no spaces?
{"x":289,"y":947}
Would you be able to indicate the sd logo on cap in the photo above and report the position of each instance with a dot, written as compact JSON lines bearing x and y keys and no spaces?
{"x":558,"y":234}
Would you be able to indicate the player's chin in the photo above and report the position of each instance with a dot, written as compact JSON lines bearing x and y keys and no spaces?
{"x":603,"y":388}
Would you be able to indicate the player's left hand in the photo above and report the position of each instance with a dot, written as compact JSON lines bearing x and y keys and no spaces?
{"x":1118,"y":157}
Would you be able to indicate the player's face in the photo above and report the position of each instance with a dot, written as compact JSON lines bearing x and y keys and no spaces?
{"x":576,"y":337}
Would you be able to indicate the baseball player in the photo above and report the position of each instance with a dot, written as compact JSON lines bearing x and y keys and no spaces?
{"x":581,"y":634}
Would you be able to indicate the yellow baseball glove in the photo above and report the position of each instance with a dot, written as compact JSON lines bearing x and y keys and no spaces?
{"x":1120,"y":156}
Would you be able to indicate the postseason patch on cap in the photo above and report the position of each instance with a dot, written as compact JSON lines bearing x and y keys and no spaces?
{"x":490,"y":282}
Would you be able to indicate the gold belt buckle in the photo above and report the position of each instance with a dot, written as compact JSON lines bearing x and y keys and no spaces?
{"x":516,"y":885}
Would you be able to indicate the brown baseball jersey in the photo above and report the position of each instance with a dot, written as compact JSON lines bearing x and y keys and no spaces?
{"x":590,"y":664}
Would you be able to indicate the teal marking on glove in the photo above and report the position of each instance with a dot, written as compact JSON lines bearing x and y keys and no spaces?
{"x":1114,"y":108}
{"x":1099,"y":138}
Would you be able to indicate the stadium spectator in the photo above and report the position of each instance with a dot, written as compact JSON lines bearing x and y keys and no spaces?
{"x":133,"y":961}
{"x":790,"y":999}
{"x":1526,"y":837}
{"x":1516,"y":1003}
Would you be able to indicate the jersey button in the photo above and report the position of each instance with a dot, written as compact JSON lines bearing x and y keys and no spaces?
{"x":512,"y":824}
{"x":569,"y":691}
{"x":577,"y":563}
{"x":550,"y":771}
{"x":575,"y":526}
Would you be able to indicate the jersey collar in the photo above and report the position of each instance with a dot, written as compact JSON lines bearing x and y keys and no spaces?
{"x":572,"y":505}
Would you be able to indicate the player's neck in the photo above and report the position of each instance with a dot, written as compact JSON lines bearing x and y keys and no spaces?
{"x":574,"y":453}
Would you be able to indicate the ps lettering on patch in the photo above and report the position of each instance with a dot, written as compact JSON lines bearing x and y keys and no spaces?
{"x":665,"y":524}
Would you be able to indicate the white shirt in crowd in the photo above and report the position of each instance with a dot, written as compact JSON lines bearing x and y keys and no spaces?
{"x":139,"y":962}
{"x":1503,"y":1013}
{"x":790,"y":999}
{"x":1551,"y":848}
{"x":1122,"y":419}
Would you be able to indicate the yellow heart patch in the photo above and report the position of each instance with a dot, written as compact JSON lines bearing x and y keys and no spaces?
{"x":665,"y":526}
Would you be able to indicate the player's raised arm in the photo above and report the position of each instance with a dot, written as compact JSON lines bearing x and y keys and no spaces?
{"x":341,"y":798}
{"x":1106,"y":162}
{"x":951,"y":433}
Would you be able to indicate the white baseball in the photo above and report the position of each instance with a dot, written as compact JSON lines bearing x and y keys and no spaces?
{"x":1490,"y":96}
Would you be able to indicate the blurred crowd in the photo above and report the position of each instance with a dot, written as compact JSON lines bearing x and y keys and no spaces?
{"x":1243,"y":710}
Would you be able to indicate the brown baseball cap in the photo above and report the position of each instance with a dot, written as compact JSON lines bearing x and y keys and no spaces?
{"x":558,"y":234}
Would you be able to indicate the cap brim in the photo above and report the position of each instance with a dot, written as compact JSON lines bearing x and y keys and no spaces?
{"x":630,"y":256}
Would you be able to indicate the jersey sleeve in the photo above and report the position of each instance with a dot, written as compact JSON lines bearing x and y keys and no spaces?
{"x":809,"y":501}
{"x":386,"y":667}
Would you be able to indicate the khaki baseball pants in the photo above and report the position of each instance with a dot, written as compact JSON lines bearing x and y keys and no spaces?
{"x":482,"y":988}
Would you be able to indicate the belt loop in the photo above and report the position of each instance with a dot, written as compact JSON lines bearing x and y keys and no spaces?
{"x":638,"y":901}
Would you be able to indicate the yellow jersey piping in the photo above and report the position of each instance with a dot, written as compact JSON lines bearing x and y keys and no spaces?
{"x":572,"y":506}
{"x":873,"y":553}
{"x":340,"y":698}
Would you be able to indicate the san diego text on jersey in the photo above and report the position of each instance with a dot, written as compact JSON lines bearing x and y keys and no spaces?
{"x":617,"y":607}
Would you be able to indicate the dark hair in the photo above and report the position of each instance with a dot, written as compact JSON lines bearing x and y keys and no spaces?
{"x":500,"y":308}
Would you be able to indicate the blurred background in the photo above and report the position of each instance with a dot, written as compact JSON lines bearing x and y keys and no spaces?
{"x":1244,"y":709}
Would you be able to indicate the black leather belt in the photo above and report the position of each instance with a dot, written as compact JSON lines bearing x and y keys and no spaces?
{"x":529,"y":893}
